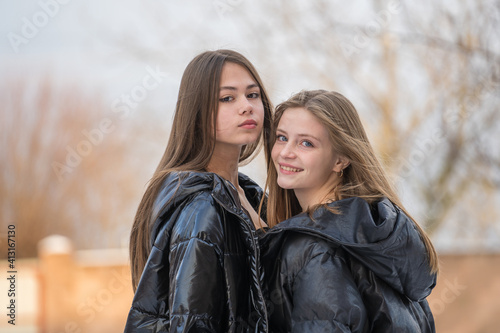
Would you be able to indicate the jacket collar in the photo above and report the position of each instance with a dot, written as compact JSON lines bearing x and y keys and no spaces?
{"x":358,"y":223}
{"x":380,"y":236}
{"x":227,"y":195}
{"x":180,"y":185}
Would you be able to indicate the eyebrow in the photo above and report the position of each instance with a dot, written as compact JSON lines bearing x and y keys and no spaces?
{"x":250,"y":86}
{"x":300,"y":135}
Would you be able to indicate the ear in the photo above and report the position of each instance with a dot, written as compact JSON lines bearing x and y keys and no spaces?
{"x":341,"y":163}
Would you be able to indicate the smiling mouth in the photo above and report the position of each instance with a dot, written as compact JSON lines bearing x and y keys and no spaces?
{"x":290,"y":169}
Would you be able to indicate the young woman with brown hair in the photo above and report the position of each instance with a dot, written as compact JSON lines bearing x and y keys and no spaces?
{"x":193,"y":247}
{"x":347,"y":256}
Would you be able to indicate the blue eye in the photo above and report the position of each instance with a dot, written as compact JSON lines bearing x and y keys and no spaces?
{"x":226,"y":99}
{"x":281,"y":138}
{"x":307,"y":144}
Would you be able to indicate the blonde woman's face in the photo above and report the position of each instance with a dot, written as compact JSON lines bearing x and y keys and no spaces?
{"x":304,"y":156}
{"x":241,"y":113}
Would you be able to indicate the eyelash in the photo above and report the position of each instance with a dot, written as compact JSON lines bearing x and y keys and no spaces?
{"x":279,"y":136}
{"x":310,"y":145}
{"x":251,"y":96}
{"x":257,"y":95}
{"x":224,"y":99}
{"x":282,"y":138}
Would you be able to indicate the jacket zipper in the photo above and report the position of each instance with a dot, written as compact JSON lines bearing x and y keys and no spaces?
{"x":257,"y":255}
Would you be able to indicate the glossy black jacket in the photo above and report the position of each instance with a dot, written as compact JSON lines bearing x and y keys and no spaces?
{"x":203,"y":273}
{"x":363,"y":270}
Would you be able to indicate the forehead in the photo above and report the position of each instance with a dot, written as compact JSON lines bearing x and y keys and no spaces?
{"x":234,"y":73}
{"x":300,"y":118}
{"x":300,"y":121}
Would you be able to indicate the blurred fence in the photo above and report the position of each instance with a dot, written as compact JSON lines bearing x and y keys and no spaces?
{"x":67,"y":291}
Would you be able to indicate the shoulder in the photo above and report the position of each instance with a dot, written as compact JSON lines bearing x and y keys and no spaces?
{"x":185,"y":209}
{"x":187,"y":182}
{"x":299,"y":249}
{"x":249,"y":185}
{"x":199,"y":217}
{"x":180,"y":186}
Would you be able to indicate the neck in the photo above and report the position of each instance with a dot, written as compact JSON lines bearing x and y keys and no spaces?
{"x":325,"y":194}
{"x":224,"y":162}
{"x":306,"y":200}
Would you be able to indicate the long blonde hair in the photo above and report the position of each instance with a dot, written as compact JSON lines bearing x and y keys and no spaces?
{"x":364,"y":177}
{"x":191,"y":143}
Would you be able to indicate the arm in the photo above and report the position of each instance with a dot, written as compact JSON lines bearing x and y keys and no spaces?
{"x":325,"y":297}
{"x":182,"y":288}
{"x":197,"y":292}
{"x":389,"y":311}
{"x":180,"y":297}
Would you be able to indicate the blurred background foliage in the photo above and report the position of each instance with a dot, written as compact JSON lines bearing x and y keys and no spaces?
{"x":424,"y":77}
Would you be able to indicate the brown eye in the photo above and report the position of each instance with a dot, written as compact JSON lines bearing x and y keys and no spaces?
{"x":253,"y":95}
{"x":226,"y":99}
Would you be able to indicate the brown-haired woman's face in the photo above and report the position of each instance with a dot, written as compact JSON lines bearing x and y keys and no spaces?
{"x":241,"y":113}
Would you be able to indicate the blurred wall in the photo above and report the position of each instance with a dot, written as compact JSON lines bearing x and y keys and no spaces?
{"x":90,"y":291}
{"x":83,"y":291}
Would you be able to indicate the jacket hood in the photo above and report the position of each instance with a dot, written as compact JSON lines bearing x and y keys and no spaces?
{"x":178,"y":187}
{"x":380,"y":236}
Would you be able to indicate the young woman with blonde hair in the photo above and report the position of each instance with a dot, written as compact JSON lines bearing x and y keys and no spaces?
{"x":193,"y":247}
{"x":343,"y":255}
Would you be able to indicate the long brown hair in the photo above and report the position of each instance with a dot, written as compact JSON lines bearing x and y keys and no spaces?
{"x":192,"y":139}
{"x":364,"y":177}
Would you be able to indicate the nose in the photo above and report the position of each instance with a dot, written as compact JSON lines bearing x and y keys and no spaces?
{"x":288,"y":151}
{"x":246,"y":107}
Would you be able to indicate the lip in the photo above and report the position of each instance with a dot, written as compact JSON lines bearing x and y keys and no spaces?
{"x":248,"y":124}
{"x":288,"y":167}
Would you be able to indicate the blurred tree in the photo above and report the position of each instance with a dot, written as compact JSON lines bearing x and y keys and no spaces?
{"x":425,"y":78}
{"x":69,"y":166}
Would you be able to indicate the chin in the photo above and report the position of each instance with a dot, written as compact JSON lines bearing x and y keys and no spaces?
{"x":284,"y":185}
{"x":250,"y":140}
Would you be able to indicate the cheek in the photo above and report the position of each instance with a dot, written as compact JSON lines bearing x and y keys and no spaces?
{"x":220,"y":127}
{"x":326,"y":166}
{"x":260,"y":109}
{"x":275,"y":153}
{"x":222,"y":121}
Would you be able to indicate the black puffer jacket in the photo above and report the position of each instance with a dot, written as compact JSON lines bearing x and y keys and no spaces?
{"x":203,"y":273}
{"x":363,"y":270}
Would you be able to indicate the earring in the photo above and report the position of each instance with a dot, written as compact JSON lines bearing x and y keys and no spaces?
{"x":341,"y":173}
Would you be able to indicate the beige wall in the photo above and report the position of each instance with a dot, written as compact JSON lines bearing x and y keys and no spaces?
{"x":84,"y":291}
{"x":64,"y":291}
{"x":67,"y":291}
{"x":467,"y":296}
